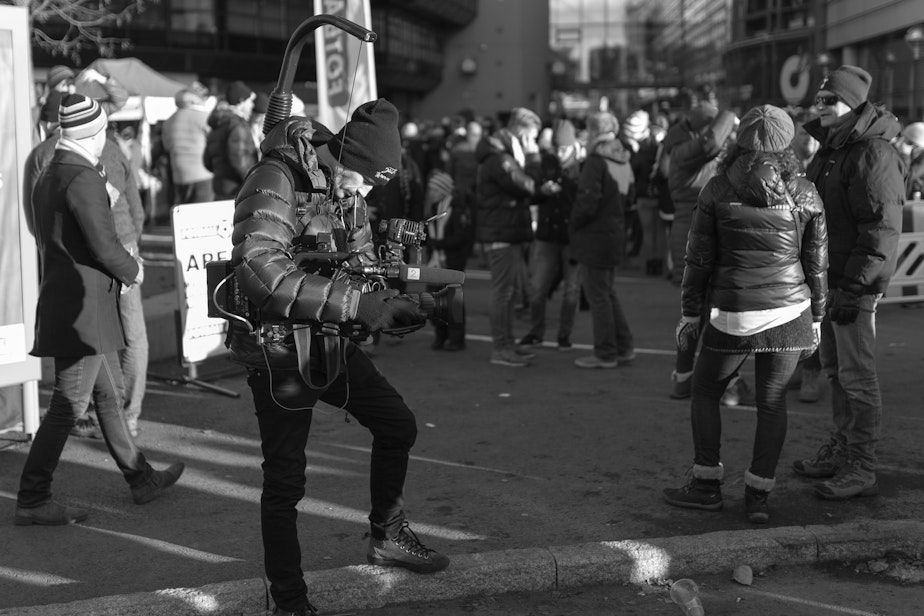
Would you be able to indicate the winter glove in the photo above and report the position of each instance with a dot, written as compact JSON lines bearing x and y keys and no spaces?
{"x":843,"y":307}
{"x":384,"y":309}
{"x":687,"y":333}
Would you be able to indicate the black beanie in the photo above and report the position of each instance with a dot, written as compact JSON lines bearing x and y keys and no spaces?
{"x":369,"y":143}
{"x":849,"y":83}
{"x":49,"y":111}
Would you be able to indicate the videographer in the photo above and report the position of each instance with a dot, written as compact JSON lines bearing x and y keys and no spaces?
{"x":309,"y":187}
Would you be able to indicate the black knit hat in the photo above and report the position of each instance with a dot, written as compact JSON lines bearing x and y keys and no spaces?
{"x":49,"y":111}
{"x":238,"y":91}
{"x":369,"y":143}
{"x":765,"y":129}
{"x":849,"y":83}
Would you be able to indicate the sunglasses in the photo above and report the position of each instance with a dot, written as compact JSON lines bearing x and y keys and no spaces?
{"x":827,"y":101}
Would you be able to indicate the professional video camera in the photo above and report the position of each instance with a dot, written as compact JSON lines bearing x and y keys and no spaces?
{"x":316,"y":254}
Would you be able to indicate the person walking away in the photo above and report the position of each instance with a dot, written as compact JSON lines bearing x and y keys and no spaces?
{"x":508,"y":164}
{"x":860,"y":178}
{"x":551,"y":258}
{"x":84,"y":268}
{"x":694,"y":148}
{"x":636,"y":134}
{"x":229,"y":150}
{"x":334,"y":171}
{"x":184,"y":136}
{"x":758,"y":253}
{"x":597,"y":232}
{"x":450,"y":238}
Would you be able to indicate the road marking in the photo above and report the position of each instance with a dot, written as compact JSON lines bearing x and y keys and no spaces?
{"x":165,"y":546}
{"x":580,"y":347}
{"x":34,"y":578}
{"x":810,"y":603}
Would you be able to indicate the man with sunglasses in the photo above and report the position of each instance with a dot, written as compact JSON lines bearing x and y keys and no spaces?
{"x":859,"y":176}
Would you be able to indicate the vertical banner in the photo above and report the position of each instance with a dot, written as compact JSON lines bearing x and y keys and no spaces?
{"x":19,"y":372}
{"x":337,"y":54}
{"x":201,"y":233}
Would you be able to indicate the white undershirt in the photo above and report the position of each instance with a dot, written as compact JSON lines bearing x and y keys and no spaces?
{"x":752,"y":322}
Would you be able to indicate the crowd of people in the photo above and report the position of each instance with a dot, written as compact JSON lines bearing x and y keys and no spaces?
{"x":779,"y":228}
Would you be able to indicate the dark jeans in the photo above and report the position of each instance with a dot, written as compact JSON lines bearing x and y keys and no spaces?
{"x":77,"y":379}
{"x":548,"y":263}
{"x":612,"y":336}
{"x":508,"y":270}
{"x":284,"y":416}
{"x":196,"y":192}
{"x":711,"y":375}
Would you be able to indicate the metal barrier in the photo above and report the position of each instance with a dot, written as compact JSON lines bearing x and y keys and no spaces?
{"x":907,"y":283}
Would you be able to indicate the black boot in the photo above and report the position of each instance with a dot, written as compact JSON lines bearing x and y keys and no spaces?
{"x":755,"y":502}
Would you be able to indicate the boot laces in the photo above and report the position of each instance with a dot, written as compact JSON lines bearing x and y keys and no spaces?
{"x":408,"y":541}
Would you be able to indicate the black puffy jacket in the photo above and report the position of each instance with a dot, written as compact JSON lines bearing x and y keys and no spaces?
{"x":750,"y":248}
{"x":504,"y":191}
{"x":282,"y":198}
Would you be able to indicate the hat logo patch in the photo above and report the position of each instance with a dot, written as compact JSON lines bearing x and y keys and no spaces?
{"x":386,"y":174}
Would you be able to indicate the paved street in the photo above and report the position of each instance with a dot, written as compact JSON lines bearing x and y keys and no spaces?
{"x":506,"y":459}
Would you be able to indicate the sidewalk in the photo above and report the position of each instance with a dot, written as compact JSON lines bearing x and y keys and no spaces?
{"x":537,"y":569}
{"x":508,"y":462}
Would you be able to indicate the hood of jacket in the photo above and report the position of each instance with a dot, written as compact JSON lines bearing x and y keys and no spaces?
{"x":294,"y":141}
{"x":868,"y":121}
{"x":498,"y":143}
{"x":757,"y":182}
{"x":610,"y":147}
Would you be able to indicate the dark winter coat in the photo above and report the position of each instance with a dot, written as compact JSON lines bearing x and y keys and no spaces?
{"x":860,"y":178}
{"x":694,"y":159}
{"x":504,"y":191}
{"x":605,"y":187}
{"x":749,"y":248}
{"x":555,"y":209}
{"x":84,"y":265}
{"x":276,"y":205}
{"x":914,"y":174}
{"x":230,"y":152}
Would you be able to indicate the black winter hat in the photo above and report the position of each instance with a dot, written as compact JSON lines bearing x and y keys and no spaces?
{"x":765,"y":129}
{"x":849,"y":83}
{"x":49,"y":111}
{"x":238,"y":91}
{"x":370,"y":143}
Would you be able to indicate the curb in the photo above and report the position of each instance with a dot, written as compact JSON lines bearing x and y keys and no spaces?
{"x":524,"y":570}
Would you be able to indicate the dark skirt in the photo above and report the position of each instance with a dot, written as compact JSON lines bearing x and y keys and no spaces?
{"x":795,"y":335}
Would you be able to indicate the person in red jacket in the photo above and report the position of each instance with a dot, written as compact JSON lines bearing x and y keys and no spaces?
{"x":84,"y":269}
{"x":757,"y":253}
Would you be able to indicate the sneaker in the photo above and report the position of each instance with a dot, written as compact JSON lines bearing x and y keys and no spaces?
{"x":49,"y":514}
{"x":705,"y":494}
{"x":738,"y":394}
{"x":405,"y":550}
{"x":529,"y":341}
{"x":86,"y":427}
{"x":626,"y":358}
{"x":755,"y":503}
{"x":827,"y":462}
{"x":681,"y":390}
{"x":506,"y":357}
{"x":810,"y":388}
{"x":564,"y":344}
{"x":524,"y":353}
{"x":157,"y":484}
{"x":308,"y":610}
{"x":592,"y":361}
{"x":850,"y":481}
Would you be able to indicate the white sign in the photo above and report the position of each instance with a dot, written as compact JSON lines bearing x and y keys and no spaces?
{"x":12,"y":343}
{"x":201,"y":233}
{"x":337,"y":55}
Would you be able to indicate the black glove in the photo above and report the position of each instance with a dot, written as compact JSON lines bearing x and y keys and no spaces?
{"x":686,"y":334}
{"x":844,"y":307}
{"x":385,"y":309}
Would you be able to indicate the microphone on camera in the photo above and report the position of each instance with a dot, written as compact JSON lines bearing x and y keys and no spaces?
{"x":430,"y":275}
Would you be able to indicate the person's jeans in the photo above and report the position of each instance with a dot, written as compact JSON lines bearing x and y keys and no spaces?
{"x":507,"y":264}
{"x":548,"y":262}
{"x":283,"y":404}
{"x":196,"y":192}
{"x":612,"y":336}
{"x":848,"y":358}
{"x":711,"y":376}
{"x":134,"y":357}
{"x":77,"y":379}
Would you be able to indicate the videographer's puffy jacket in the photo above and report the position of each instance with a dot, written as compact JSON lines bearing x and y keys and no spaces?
{"x":750,"y":249}
{"x":277,"y":200}
{"x":504,"y":191}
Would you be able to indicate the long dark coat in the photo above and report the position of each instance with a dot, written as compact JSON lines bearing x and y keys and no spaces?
{"x":82,"y":260}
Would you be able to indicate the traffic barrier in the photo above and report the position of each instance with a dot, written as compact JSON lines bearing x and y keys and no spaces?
{"x":907,"y":284}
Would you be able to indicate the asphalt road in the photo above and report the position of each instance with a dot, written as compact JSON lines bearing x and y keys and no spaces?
{"x":506,"y":458}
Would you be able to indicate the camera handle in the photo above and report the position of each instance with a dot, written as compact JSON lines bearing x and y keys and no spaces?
{"x":280,"y":103}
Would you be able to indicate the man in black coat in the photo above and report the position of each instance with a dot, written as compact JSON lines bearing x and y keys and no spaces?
{"x":84,"y":269}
